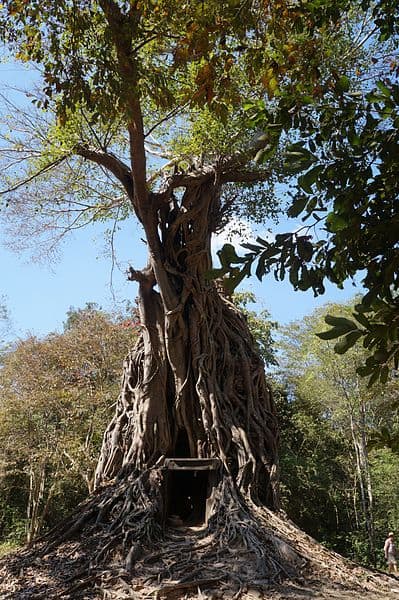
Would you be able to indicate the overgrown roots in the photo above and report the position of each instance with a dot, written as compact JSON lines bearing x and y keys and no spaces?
{"x":131,"y":552}
{"x":195,"y":387}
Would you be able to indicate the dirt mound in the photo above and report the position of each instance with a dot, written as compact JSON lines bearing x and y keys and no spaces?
{"x":188,"y":562}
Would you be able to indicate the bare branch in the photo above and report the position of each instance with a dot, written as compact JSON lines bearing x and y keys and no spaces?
{"x":111,"y":163}
{"x":48,"y":167}
{"x":171,"y":114}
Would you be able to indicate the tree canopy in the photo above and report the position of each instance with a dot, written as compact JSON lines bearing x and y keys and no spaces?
{"x":149,"y":91}
{"x":342,"y":171}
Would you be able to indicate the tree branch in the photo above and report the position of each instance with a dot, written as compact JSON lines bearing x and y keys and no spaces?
{"x":111,"y":163}
{"x":123,"y":28}
{"x":244,"y":176}
{"x":223,"y":174}
{"x":32,"y":177}
{"x":170,"y":114}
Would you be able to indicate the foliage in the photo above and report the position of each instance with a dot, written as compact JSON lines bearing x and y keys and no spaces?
{"x":56,"y":398}
{"x":180,"y":52}
{"x":260,"y":326}
{"x":326,"y":394}
{"x":341,"y":165}
{"x":314,"y":471}
{"x":188,"y":69}
{"x":377,"y":323}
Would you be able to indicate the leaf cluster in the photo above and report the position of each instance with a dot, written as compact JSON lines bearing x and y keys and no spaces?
{"x":376,"y":323}
{"x":342,"y":171}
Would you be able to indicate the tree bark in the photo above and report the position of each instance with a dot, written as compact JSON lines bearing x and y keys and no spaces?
{"x":194,"y":374}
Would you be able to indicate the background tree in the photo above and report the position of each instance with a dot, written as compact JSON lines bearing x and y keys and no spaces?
{"x":56,"y":397}
{"x":317,"y":477}
{"x":329,"y":393}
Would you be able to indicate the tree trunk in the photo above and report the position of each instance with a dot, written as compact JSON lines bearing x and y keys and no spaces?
{"x":37,"y":480}
{"x":193,"y":386}
{"x":359,"y":440}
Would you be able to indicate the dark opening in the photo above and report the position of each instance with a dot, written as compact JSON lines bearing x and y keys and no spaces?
{"x":182,"y":448}
{"x":188,"y":492}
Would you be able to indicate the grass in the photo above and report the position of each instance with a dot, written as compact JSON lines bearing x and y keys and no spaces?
{"x":8,"y":547}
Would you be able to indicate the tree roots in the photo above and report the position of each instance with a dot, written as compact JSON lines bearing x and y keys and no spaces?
{"x":129,"y":553}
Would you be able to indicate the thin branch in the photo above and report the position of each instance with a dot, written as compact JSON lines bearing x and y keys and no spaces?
{"x":155,"y":153}
{"x":155,"y":175}
{"x":34,"y":176}
{"x":113,"y":255}
{"x":171,"y":114}
{"x":91,"y":128}
{"x":361,"y":43}
{"x":144,"y":43}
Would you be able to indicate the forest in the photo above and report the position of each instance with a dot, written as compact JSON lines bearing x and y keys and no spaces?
{"x":188,"y":446}
{"x":339,"y":450}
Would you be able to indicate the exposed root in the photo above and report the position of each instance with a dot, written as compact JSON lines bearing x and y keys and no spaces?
{"x":124,"y":551}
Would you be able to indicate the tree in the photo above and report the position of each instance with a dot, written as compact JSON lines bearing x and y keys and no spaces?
{"x":317,"y":478}
{"x":342,"y":169}
{"x":342,"y":401}
{"x":55,"y":399}
{"x":115,"y":73}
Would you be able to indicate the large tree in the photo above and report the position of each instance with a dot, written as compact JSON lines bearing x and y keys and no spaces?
{"x":116,"y":74}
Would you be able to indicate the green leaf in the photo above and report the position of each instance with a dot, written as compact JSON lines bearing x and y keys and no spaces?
{"x":309,"y":178}
{"x":305,"y":249}
{"x":343,"y":84}
{"x":252,"y":247}
{"x":341,"y":322}
{"x":330,"y":334}
{"x":347,"y":342}
{"x":374,"y":377}
{"x":381,"y":355}
{"x":365,"y":370}
{"x":297,"y":206}
{"x":293,"y":276}
{"x":336,"y":222}
{"x":384,"y":89}
{"x":228,"y":255}
{"x":361,"y":319}
{"x":261,"y":268}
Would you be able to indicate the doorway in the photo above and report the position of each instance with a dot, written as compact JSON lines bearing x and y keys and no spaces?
{"x":189,"y":486}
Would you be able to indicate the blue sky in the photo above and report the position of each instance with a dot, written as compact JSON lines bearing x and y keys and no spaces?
{"x":39,"y":295}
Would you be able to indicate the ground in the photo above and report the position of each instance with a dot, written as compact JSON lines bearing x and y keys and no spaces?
{"x":67,"y":572}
